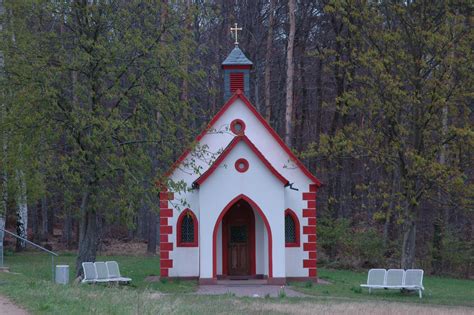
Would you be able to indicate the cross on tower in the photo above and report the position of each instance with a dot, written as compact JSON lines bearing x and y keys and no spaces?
{"x":235,"y":30}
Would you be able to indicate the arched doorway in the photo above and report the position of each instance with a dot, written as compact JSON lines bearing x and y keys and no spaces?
{"x":238,"y":241}
{"x":241,"y":245}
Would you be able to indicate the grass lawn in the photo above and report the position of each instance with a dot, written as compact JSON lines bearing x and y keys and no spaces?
{"x":345,"y":285}
{"x":29,"y":285}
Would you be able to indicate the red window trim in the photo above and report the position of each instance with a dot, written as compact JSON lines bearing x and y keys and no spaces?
{"x":235,"y":122}
{"x":245,"y":165}
{"x":293,"y":215}
{"x":178,"y":229}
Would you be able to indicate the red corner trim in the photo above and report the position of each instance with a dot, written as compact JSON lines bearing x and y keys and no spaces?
{"x":166,"y":246}
{"x":309,"y":263}
{"x":307,"y":247}
{"x":309,"y":213}
{"x":166,"y":213}
{"x":240,"y":95}
{"x":166,"y":263}
{"x":164,"y":195}
{"x":309,"y":196}
{"x":309,"y":229}
{"x":179,"y":243}
{"x":226,"y":152}
{"x":293,"y":215}
{"x":166,"y":229}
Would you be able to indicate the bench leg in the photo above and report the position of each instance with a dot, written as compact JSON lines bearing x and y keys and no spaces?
{"x":419,"y":293}
{"x":370,"y":290}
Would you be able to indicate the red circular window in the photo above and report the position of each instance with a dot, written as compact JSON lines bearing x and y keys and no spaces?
{"x":237,"y":126}
{"x":241,"y":165}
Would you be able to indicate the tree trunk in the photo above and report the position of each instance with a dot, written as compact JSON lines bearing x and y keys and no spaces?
{"x":268,"y":58}
{"x":4,"y":181}
{"x":152,"y":228}
{"x":87,"y":235}
{"x":408,"y":246}
{"x":67,"y":229}
{"x":34,"y":222}
{"x":442,"y":220}
{"x":290,"y":71}
{"x":44,"y":218}
{"x":22,"y":211}
{"x":3,"y":168}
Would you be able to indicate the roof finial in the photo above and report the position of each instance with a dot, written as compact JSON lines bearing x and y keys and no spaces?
{"x":235,"y":30}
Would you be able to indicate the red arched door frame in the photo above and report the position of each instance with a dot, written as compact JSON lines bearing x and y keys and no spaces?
{"x":219,"y":220}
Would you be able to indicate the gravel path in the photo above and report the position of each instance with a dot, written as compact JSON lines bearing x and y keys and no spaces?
{"x":8,"y":308}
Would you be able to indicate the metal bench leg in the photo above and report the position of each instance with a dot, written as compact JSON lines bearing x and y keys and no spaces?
{"x":420,"y":293}
{"x":370,"y":290}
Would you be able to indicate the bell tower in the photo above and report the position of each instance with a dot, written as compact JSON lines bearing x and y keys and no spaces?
{"x":236,"y":69}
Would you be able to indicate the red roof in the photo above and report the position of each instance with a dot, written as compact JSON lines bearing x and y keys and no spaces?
{"x":239,"y":95}
{"x":226,"y":152}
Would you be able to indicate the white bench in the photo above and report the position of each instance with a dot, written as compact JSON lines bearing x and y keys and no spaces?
{"x":90,"y":273}
{"x":102,"y":272}
{"x":114,"y":272}
{"x":411,"y":279}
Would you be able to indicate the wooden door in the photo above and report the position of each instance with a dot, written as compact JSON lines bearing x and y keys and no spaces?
{"x":238,"y":241}
{"x":238,"y":250}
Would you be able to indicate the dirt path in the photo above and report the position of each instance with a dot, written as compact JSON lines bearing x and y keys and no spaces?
{"x":8,"y":308}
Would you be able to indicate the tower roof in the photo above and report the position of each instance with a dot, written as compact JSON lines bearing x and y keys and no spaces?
{"x":236,"y":57}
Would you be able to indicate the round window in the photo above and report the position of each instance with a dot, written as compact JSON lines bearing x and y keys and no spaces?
{"x":241,"y":165}
{"x":237,"y":126}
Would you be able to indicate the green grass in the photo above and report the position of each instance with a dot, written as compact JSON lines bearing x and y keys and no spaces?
{"x":345,"y":284}
{"x":29,"y":285}
{"x":38,"y":266}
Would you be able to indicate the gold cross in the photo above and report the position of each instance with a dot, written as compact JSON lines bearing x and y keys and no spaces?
{"x":235,"y":29}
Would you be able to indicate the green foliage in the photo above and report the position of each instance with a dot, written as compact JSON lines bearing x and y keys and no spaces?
{"x":457,"y":252}
{"x":401,"y":115}
{"x":94,"y":100}
{"x":348,"y":246}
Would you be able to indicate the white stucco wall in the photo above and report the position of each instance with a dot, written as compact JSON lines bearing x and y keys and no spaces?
{"x":258,"y":184}
{"x":219,"y":249}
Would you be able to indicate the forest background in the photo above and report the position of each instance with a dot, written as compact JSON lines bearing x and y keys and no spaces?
{"x":98,"y":98}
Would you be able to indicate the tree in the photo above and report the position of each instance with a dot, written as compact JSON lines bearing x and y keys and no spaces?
{"x":416,"y":69}
{"x":125,"y":74}
{"x":268,"y":58}
{"x":290,"y":73}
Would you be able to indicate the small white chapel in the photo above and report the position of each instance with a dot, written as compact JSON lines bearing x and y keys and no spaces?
{"x":250,"y":210}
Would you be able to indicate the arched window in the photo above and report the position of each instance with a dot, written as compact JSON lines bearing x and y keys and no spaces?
{"x":292,"y":229}
{"x":187,"y":229}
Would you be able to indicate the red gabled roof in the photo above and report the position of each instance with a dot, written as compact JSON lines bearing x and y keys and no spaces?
{"x":226,"y":152}
{"x":239,"y":94}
